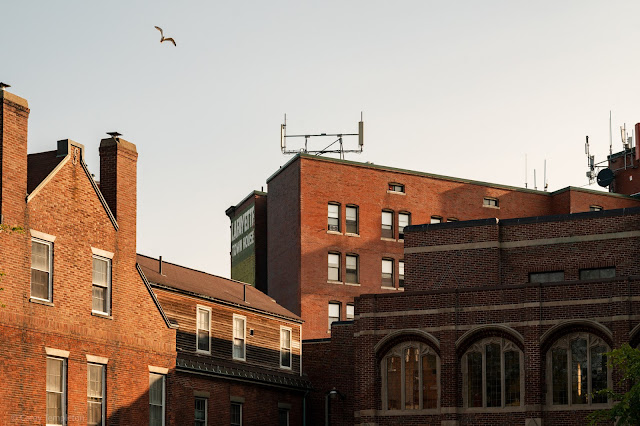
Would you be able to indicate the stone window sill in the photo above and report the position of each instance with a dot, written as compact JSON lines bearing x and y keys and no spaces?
{"x":101,"y":315}
{"x":41,"y":302}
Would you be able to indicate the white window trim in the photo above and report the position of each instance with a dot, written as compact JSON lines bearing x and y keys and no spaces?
{"x":101,"y":253}
{"x":109,"y":266}
{"x":206,"y":408}
{"x":42,"y":236}
{"x":103,"y":404}
{"x":244,"y":339}
{"x":50,"y":244}
{"x":64,"y":392}
{"x":289,"y":367}
{"x":565,"y":342}
{"x":164,"y":394}
{"x":505,"y":346}
{"x":398,"y":350}
{"x":198,"y":309}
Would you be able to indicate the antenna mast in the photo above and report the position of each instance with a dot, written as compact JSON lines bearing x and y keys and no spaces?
{"x":329,"y":149}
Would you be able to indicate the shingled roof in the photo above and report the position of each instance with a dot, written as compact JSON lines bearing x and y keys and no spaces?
{"x":39,"y":166}
{"x":202,"y":284}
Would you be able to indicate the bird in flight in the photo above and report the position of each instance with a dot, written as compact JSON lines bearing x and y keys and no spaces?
{"x":163,"y":38}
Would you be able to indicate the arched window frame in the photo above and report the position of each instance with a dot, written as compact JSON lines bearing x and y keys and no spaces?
{"x":398,"y":350}
{"x":479,"y":346}
{"x":565,"y":343}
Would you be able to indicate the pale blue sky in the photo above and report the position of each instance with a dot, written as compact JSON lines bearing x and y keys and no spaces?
{"x":460,"y":88}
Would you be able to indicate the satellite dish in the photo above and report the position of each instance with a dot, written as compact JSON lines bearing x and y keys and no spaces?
{"x":605,"y":177}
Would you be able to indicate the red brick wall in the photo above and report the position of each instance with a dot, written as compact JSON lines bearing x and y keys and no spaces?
{"x":134,"y":337}
{"x":283,"y":236}
{"x":510,"y":302}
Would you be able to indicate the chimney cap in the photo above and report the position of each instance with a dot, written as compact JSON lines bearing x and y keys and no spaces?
{"x":114,"y":135}
{"x":4,"y":85}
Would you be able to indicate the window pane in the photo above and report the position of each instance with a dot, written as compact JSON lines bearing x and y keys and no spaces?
{"x":236,"y":414}
{"x":546,"y":277}
{"x":350,"y":312}
{"x":387,"y":224}
{"x":579,"y":369}
{"x":54,"y":375}
{"x":99,"y":296}
{"x":155,"y":389}
{"x":352,"y":269}
{"x":94,"y":394}
{"x":352,"y":219}
{"x":39,"y":284}
{"x":333,"y":218}
{"x":285,"y":348}
{"x":40,"y":256}
{"x":429,"y":382}
{"x":55,"y":391}
{"x":334,"y":267}
{"x":387,"y":272}
{"x":512,"y":378}
{"x":593,"y":274}
{"x":394,"y":383}
{"x":200,"y":411}
{"x":559,"y":376}
{"x":494,"y":376}
{"x":203,"y":340}
{"x":54,"y":408}
{"x":401,"y":273}
{"x":155,"y":415}
{"x":474,"y":385}
{"x":411,"y":379}
{"x":283,"y":417}
{"x":94,"y":413}
{"x":100,"y":271}
{"x":598,"y":373}
{"x":436,"y":219}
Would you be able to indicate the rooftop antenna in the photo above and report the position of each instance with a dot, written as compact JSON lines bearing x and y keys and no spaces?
{"x":591,"y":173}
{"x":535,"y":185}
{"x":525,"y":170}
{"x":610,"y":136}
{"x":329,"y":149}
{"x":546,"y":184}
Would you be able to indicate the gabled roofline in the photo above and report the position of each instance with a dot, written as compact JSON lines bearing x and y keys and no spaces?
{"x":155,"y":299}
{"x":440,"y":177}
{"x":58,"y":167}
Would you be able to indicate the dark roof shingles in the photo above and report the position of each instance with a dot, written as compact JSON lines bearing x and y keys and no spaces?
{"x":39,"y":166}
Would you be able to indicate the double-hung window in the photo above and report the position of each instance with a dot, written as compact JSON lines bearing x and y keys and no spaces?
{"x":201,"y":412}
{"x":95,"y":395}
{"x":41,"y":269}
{"x":352,"y":268}
{"x":101,"y":289}
{"x":283,"y":417}
{"x":156,"y":399}
{"x":239,"y":333}
{"x":350,"y":312}
{"x":387,"y":224}
{"x":334,"y":313}
{"x":404,"y":220}
{"x":387,"y":272}
{"x":285,"y":347}
{"x":333,"y":217}
{"x":236,"y":414}
{"x":56,"y":391}
{"x":401,"y":273}
{"x":334,"y":267}
{"x":204,"y":330}
{"x":352,"y":219}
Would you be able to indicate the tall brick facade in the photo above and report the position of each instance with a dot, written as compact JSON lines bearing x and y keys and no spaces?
{"x":539,"y":286}
{"x":299,"y":239}
{"x":56,"y":202}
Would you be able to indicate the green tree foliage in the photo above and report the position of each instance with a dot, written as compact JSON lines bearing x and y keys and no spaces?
{"x":626,"y":408}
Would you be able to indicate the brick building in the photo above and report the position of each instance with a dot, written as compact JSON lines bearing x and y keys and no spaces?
{"x":501,"y":322}
{"x":239,"y":354}
{"x":335,"y":227}
{"x":81,"y":334}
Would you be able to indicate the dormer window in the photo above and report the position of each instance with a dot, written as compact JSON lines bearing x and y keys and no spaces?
{"x":490,"y":202}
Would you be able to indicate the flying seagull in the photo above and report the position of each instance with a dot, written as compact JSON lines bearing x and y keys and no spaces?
{"x":163,"y":38}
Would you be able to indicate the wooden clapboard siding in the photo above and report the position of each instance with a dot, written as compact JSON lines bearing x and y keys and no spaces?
{"x":262,"y":349}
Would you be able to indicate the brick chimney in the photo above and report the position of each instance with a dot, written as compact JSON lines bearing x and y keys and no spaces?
{"x":14,"y":115}
{"x":118,"y":184}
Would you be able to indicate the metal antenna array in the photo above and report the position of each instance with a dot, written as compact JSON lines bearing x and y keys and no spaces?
{"x":329,"y":149}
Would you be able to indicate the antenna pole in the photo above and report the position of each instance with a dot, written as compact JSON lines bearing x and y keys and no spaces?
{"x":545,"y":174}
{"x":610,"y":136}
{"x":525,"y":170}
{"x":535,"y":185}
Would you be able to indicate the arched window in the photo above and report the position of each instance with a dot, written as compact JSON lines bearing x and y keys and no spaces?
{"x":492,"y":374}
{"x":576,"y":369}
{"x":410,"y":377}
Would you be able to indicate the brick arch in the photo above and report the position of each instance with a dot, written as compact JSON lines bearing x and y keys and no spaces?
{"x":550,"y":336}
{"x":406,"y":335}
{"x":484,"y":331}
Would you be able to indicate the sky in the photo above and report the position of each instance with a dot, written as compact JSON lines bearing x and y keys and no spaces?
{"x":460,"y":88}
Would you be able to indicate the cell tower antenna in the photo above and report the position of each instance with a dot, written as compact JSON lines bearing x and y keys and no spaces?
{"x":329,"y":149}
